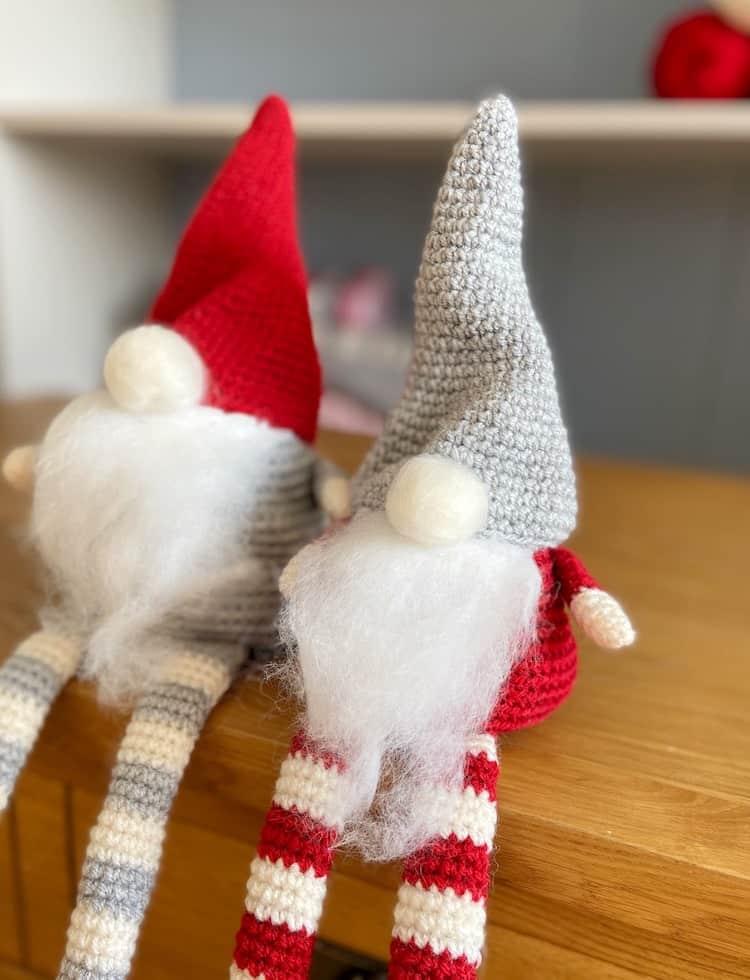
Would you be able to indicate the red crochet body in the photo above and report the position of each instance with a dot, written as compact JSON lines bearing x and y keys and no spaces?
{"x":544,"y":678}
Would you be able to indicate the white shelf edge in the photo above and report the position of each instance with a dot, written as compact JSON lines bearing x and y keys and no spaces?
{"x":406,"y":124}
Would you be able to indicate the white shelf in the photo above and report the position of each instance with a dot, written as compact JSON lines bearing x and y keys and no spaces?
{"x":85,"y":195}
{"x":389,"y":128}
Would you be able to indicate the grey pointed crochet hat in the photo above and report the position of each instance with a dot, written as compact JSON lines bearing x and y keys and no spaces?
{"x":481,"y":386}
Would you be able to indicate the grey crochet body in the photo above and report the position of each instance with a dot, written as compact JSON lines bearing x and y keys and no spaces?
{"x":243,"y":603}
{"x":240,"y":603}
{"x":481,"y":386}
{"x":197,"y":651}
{"x":286,"y":517}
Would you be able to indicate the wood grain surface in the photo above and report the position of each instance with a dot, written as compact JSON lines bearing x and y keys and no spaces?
{"x":624,"y":840}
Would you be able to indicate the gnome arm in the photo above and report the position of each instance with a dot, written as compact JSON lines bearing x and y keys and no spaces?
{"x":332,"y":490}
{"x":599,"y":614}
{"x":19,"y":467}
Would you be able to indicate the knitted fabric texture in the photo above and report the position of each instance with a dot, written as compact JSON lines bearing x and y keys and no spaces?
{"x":287,"y":883}
{"x":243,"y":604}
{"x":481,"y":387}
{"x":440,"y":913}
{"x":480,"y":391}
{"x":439,"y":918}
{"x":208,"y":630}
{"x":238,"y":288}
{"x":30,"y":680}
{"x":237,"y":292}
{"x":540,"y":682}
{"x":240,"y":603}
{"x":124,"y":850}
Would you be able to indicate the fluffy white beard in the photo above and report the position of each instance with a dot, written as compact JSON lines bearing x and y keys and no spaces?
{"x":133,"y":514}
{"x":402,"y":652}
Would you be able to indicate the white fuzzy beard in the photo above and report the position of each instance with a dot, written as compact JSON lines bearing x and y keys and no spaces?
{"x":402,"y":652}
{"x":133,"y":514}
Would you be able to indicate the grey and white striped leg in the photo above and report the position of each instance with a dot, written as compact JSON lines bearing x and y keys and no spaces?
{"x":125,"y":846}
{"x":30,"y":680}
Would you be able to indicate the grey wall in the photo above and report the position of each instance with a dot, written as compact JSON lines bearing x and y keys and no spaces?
{"x":641,"y":277}
{"x":416,"y":49}
{"x":639,"y":269}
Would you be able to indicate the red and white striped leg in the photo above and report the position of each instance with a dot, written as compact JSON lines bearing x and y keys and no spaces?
{"x":288,"y":876}
{"x":439,"y":921}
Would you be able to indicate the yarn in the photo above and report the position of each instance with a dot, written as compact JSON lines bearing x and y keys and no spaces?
{"x":332,"y":491}
{"x":153,"y":369}
{"x":400,"y":653}
{"x":701,"y":57}
{"x":163,"y":511}
{"x":19,"y":468}
{"x":436,"y":618}
{"x":124,"y":849}
{"x":481,"y":388}
{"x":238,"y":289}
{"x":136,"y":516}
{"x":543,"y":679}
{"x":30,"y":680}
{"x":288,"y":877}
{"x":603,"y":619}
{"x":436,"y":501}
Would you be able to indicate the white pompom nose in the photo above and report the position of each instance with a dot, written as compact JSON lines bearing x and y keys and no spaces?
{"x":154,"y":369}
{"x":436,"y":501}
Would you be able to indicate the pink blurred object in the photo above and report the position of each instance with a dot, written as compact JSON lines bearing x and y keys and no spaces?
{"x":345,"y":414}
{"x":365,"y":301}
{"x":322,"y":293}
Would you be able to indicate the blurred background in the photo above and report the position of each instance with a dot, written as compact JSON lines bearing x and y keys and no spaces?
{"x":113,"y":116}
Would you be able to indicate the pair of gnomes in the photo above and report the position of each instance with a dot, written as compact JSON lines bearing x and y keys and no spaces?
{"x":436,"y":618}
{"x":164,"y":508}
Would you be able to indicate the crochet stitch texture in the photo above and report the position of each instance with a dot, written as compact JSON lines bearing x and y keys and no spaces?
{"x":481,"y":387}
{"x":480,"y":391}
{"x":545,"y":677}
{"x":237,"y":293}
{"x":238,"y":289}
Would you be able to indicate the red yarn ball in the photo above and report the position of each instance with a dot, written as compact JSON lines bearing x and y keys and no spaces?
{"x":701,"y":57}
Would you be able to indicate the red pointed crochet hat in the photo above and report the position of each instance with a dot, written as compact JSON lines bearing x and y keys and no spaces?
{"x":238,"y":289}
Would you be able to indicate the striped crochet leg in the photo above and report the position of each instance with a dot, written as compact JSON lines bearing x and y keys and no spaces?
{"x":124,"y":850}
{"x":30,"y":680}
{"x":440,"y":913}
{"x":288,"y":877}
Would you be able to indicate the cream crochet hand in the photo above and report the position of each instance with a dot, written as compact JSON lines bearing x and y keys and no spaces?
{"x":289,"y":574}
{"x":334,"y":497}
{"x":602,"y":619}
{"x":19,"y":466}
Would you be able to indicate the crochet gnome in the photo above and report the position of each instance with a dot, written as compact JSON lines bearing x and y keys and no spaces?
{"x":164,"y":508}
{"x":436,"y":618}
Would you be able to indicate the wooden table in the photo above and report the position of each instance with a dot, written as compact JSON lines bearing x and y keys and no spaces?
{"x":625,"y":819}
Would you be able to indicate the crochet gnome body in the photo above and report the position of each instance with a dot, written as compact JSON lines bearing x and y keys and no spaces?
{"x":435,"y":619}
{"x":164,"y":507}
